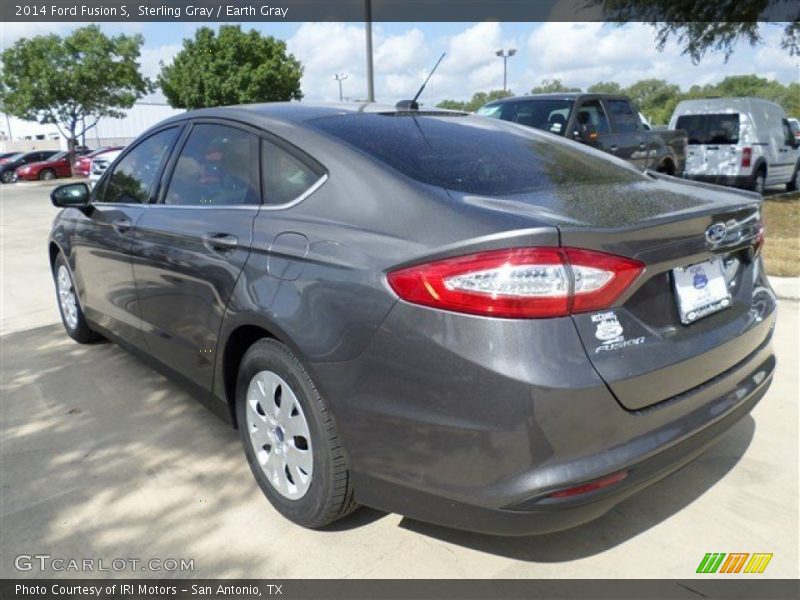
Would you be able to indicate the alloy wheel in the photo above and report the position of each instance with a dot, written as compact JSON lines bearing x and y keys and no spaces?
{"x":279,"y":434}
{"x":66,"y":297}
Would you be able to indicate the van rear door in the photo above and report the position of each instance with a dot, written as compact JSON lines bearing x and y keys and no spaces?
{"x":713,"y":140}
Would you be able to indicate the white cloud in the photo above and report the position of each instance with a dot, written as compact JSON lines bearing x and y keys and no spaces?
{"x":151,"y":58}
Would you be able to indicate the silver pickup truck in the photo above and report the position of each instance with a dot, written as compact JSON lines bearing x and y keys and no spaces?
{"x":608,"y":122}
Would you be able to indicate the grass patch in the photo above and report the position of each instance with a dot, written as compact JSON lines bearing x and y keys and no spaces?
{"x":782,"y":244}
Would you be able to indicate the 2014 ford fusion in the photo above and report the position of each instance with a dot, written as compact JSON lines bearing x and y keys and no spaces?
{"x":462,"y":320}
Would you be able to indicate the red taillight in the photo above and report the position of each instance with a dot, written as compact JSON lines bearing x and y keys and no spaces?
{"x":747,"y":156}
{"x":518,"y":282}
{"x":592,"y":486}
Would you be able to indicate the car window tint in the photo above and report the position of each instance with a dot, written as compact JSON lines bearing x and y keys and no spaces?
{"x":134,"y":176}
{"x":711,"y":128}
{"x":285,"y":176}
{"x":788,"y":135}
{"x":547,"y":114}
{"x":591,"y":113}
{"x":215,"y":168}
{"x":625,"y":118}
{"x":472,"y":154}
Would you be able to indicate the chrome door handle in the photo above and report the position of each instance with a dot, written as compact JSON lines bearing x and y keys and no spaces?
{"x":121,"y":226}
{"x":613,"y":148}
{"x":220,"y":241}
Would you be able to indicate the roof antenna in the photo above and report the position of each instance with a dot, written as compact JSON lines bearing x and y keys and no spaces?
{"x":412,"y":104}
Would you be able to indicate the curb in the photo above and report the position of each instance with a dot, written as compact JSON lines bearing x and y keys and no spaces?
{"x":786,"y":288}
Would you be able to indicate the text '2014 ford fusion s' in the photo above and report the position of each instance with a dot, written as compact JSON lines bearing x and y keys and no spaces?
{"x":458,"y":319}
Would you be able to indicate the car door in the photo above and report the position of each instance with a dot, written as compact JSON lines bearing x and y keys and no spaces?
{"x":102,"y":236}
{"x":193,"y":243}
{"x":627,"y":139}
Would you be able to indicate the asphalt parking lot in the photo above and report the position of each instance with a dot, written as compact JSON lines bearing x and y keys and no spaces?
{"x":103,"y":458}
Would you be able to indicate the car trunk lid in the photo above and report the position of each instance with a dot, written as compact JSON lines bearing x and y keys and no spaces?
{"x":640,"y":346}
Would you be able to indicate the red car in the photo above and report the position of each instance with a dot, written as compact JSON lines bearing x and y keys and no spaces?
{"x":56,"y":166}
{"x":82,"y":165}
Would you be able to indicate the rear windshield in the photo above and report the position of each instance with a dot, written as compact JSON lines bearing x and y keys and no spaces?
{"x":472,"y":155}
{"x":545,"y":113}
{"x":710,"y":129}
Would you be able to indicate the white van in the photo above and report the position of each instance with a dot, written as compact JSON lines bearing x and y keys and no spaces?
{"x":743,"y":142}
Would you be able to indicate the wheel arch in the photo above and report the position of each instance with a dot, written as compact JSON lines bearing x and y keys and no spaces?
{"x":240,"y":336}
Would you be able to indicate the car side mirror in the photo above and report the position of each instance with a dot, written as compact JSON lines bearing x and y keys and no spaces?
{"x":75,"y":195}
{"x":585,"y":132}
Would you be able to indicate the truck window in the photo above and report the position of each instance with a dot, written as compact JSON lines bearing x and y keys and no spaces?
{"x":720,"y":128}
{"x":788,"y":134}
{"x":544,"y":113}
{"x":591,"y":113}
{"x":624,"y":117}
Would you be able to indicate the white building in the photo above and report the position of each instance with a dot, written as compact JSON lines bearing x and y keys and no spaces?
{"x":29,"y":135}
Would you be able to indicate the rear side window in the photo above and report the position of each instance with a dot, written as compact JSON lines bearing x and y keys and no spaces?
{"x":286,"y":175}
{"x":215,"y":168}
{"x":545,"y":114}
{"x":711,"y":128}
{"x":472,"y":155}
{"x":625,"y":119}
{"x":133,"y":178}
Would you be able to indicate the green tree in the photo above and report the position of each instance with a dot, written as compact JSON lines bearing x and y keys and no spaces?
{"x":73,"y":81}
{"x":713,"y":25}
{"x":478,"y":99}
{"x":605,"y":87}
{"x":230,"y":67}
{"x":552,"y":86}
{"x":655,"y":98}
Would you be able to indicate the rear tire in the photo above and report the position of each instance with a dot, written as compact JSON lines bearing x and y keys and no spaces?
{"x":759,"y":182}
{"x":794,"y":184}
{"x":68,"y":305}
{"x":47,"y":175}
{"x":7,"y":177}
{"x":290,"y":439}
{"x":667,"y":168}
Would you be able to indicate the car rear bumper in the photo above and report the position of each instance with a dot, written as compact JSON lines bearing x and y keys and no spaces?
{"x":740,"y":181}
{"x":479,"y":425}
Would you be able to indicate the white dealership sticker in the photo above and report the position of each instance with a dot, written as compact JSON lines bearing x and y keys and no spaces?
{"x":610,"y":332}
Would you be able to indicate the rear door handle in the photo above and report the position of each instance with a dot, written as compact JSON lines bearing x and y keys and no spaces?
{"x":613,"y":147}
{"x":122,"y":226}
{"x":220,"y":241}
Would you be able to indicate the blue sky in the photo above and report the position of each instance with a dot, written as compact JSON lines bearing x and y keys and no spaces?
{"x":577,"y":53}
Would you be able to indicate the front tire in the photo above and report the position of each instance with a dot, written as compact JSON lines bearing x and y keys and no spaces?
{"x":71,"y":312}
{"x":290,"y":439}
{"x":47,"y":175}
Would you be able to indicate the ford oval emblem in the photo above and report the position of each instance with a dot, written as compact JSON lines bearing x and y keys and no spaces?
{"x":716,"y":233}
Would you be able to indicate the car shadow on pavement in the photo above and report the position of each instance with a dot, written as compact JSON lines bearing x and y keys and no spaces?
{"x":631,"y":517}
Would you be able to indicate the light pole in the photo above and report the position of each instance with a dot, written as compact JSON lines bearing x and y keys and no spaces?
{"x":505,"y":56}
{"x":340,"y":77}
{"x":368,"y":30}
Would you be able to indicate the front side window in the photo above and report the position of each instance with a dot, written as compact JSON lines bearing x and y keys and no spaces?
{"x":591,"y":114}
{"x":215,"y":168}
{"x":625,"y":119}
{"x":788,"y":134}
{"x":133,"y":178}
{"x":285,"y":176}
